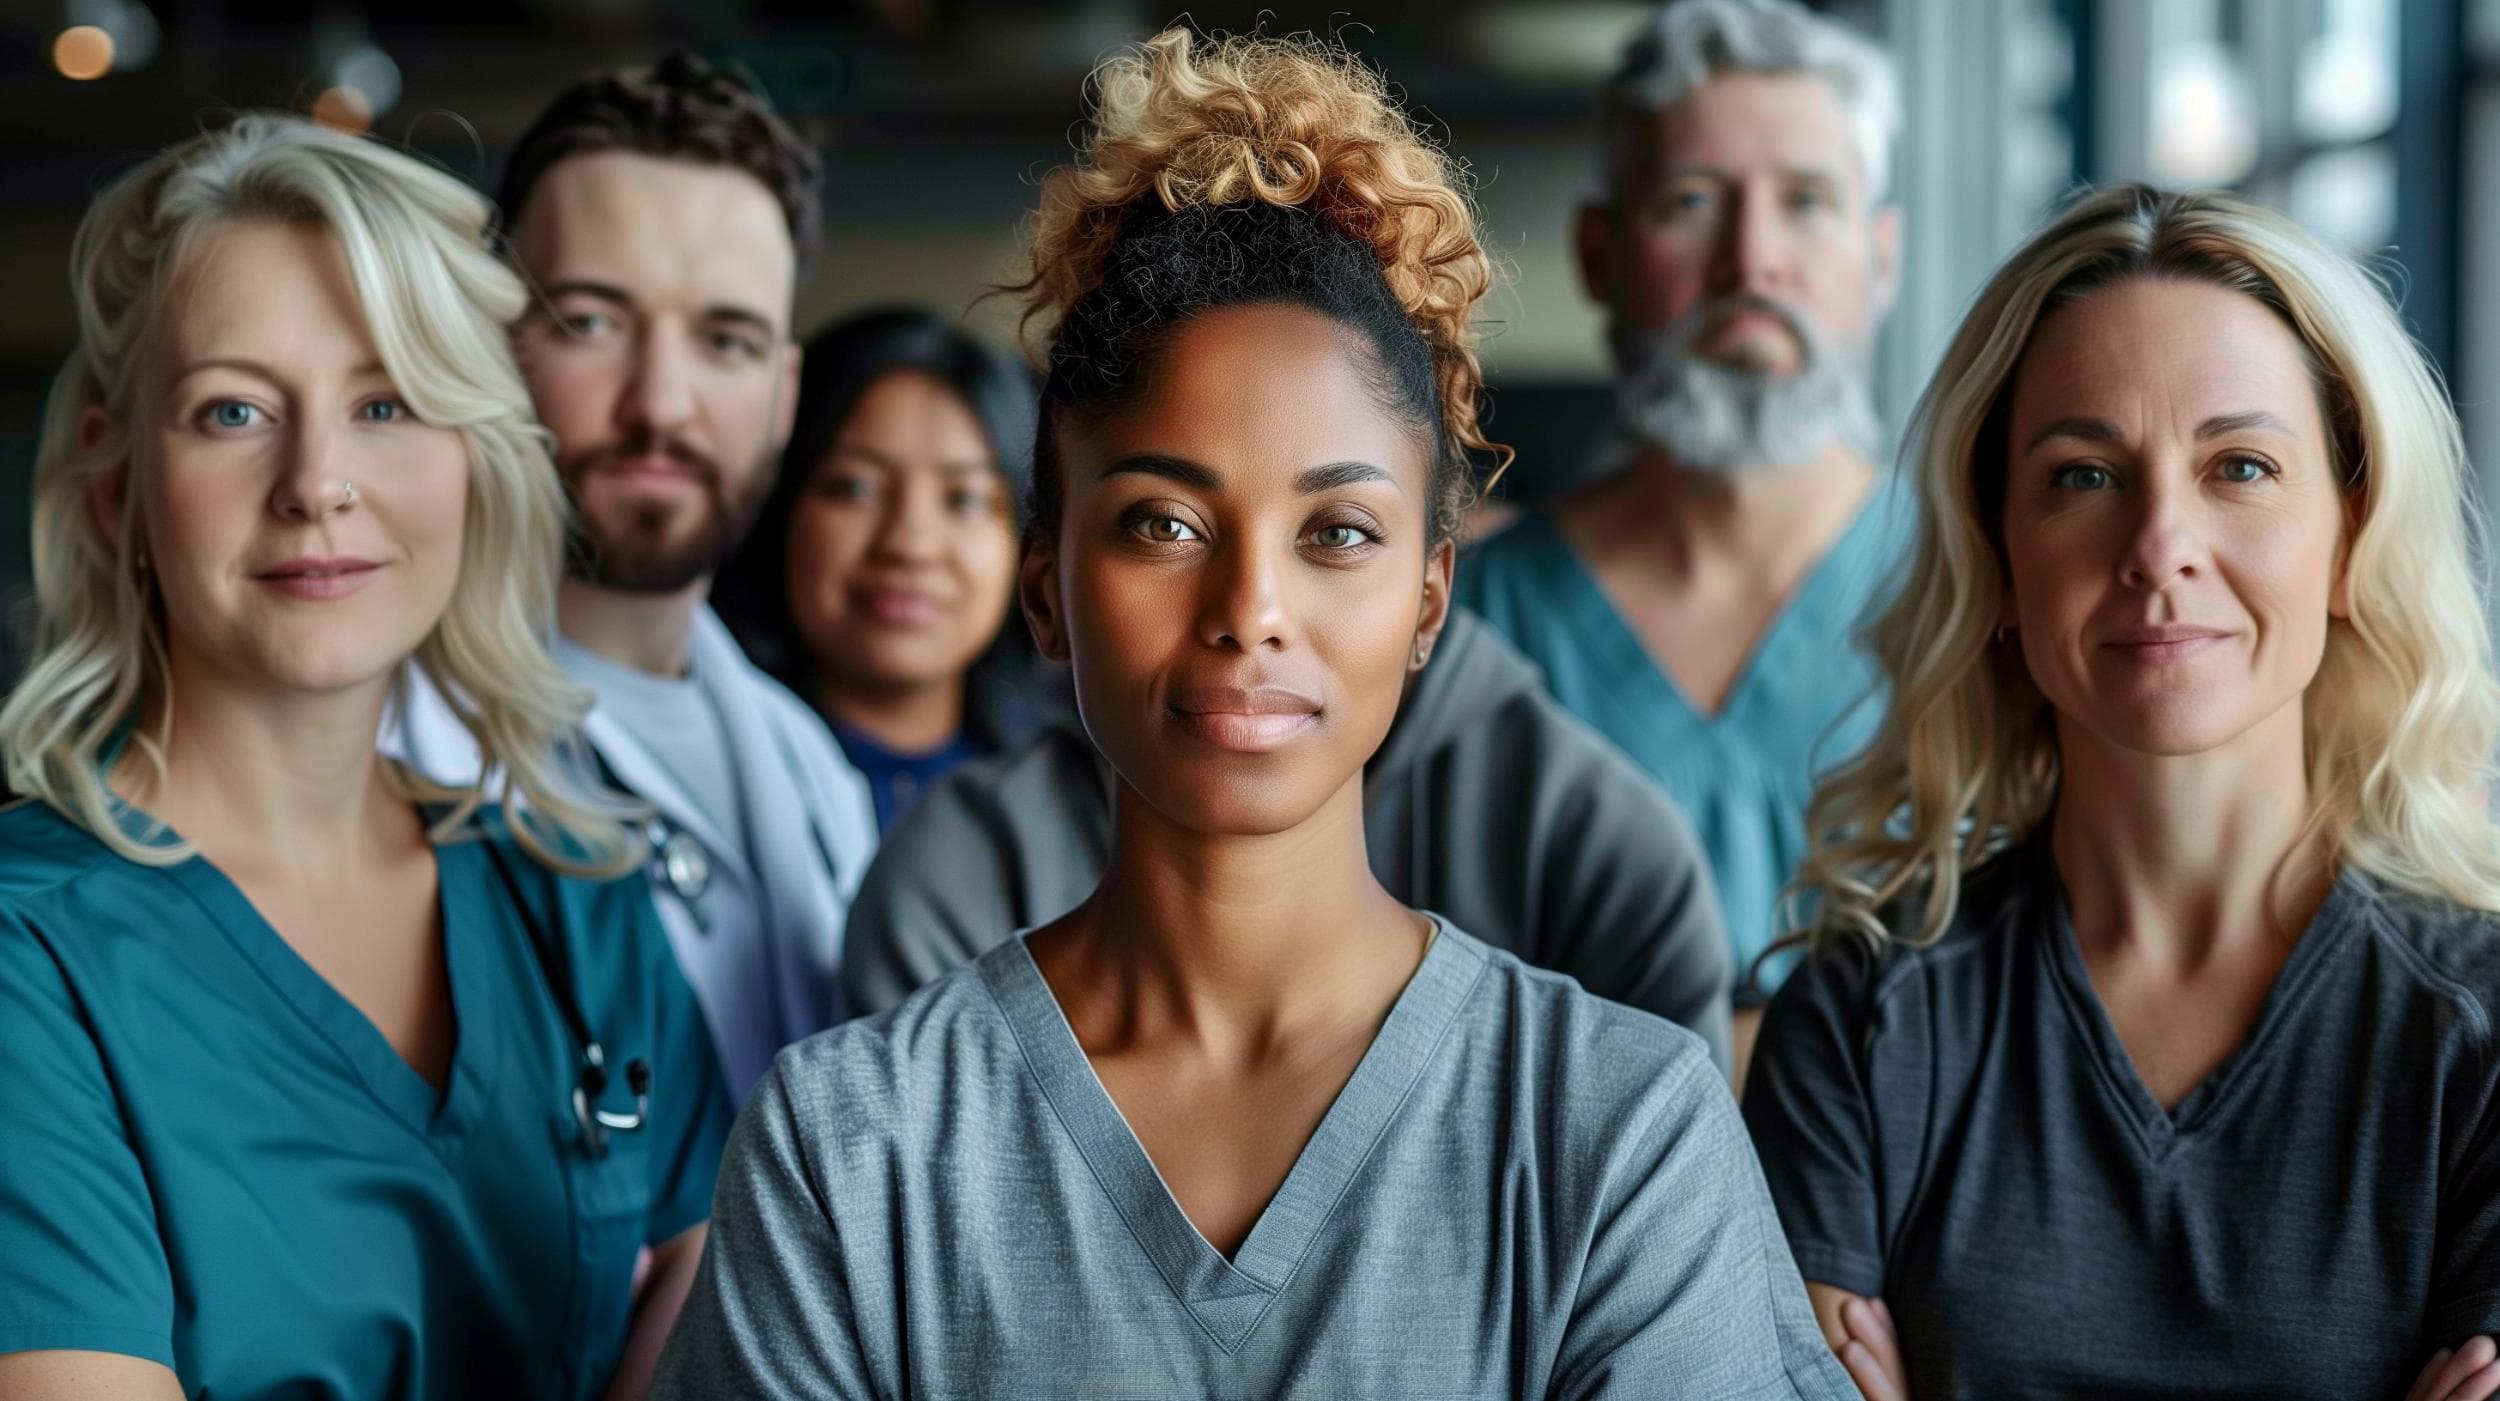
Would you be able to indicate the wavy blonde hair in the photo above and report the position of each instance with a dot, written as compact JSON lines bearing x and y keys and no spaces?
{"x":1186,"y":123}
{"x":2400,"y":719}
{"x":438,"y":304}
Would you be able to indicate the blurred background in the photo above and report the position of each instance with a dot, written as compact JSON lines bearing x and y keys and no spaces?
{"x":2375,"y":122}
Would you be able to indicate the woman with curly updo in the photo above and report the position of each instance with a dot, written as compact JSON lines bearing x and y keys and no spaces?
{"x":1241,"y":1124}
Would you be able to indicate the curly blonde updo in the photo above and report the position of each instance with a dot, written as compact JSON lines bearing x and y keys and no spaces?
{"x":1245,"y":170}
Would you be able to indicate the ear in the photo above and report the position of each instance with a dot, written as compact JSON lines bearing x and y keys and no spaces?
{"x":1593,"y":238}
{"x":2356,"y":510}
{"x":1885,"y":232}
{"x":110,"y":494}
{"x":1436,"y":610}
{"x":1037,"y":588}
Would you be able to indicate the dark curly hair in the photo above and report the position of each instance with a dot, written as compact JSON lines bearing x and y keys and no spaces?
{"x":1248,"y":170}
{"x":683,"y":108}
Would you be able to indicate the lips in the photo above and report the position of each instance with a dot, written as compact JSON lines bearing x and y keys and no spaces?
{"x":1250,"y":720}
{"x":317,"y":579}
{"x":2165,"y":642}
{"x":897,"y":607}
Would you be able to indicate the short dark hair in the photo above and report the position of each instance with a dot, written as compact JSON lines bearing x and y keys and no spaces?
{"x":682,"y":108}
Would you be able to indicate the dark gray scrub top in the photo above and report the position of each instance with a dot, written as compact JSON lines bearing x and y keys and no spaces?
{"x":1522,"y":1191}
{"x":1959,"y":1130}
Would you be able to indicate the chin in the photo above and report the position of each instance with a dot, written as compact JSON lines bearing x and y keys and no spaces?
{"x":2175,"y":727}
{"x":1226,"y":804}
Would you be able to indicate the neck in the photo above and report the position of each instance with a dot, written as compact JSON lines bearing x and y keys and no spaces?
{"x":2175,"y":855}
{"x":915,"y":719}
{"x":646,"y":631}
{"x":1678,"y":524}
{"x":1235,"y":940}
{"x":262,"y":780}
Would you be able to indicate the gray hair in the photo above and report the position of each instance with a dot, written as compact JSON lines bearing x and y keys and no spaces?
{"x":1689,"y":42}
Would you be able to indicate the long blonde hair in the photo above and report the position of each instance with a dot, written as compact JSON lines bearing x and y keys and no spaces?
{"x":438,"y":304}
{"x":2399,"y":721}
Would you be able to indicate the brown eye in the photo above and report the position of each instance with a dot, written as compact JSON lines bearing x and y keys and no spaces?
{"x":1164,"y":530}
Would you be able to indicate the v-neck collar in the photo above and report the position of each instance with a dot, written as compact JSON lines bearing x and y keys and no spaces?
{"x":442,"y":1118}
{"x":1229,"y":1297}
{"x":1593,"y":617}
{"x":2157,"y":1129}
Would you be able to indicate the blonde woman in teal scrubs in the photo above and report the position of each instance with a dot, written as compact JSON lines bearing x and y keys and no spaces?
{"x":321,"y":1083}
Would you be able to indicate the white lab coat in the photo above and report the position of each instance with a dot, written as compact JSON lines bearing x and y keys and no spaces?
{"x":763,"y":951}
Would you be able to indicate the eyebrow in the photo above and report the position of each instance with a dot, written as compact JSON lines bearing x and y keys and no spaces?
{"x":261,"y":369}
{"x":1308,"y":482}
{"x":2101,"y":430}
{"x":610,"y":292}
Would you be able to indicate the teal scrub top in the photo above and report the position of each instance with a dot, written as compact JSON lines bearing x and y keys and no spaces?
{"x":1806,"y":700}
{"x":210,"y":1158}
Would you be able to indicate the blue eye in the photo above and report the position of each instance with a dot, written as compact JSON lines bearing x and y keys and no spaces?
{"x":2084,"y":478}
{"x":2246,"y":469}
{"x":382,"y":411}
{"x":232,"y":413}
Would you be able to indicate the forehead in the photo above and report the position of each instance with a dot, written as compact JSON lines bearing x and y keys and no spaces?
{"x":218,"y":305}
{"x":672,"y":233}
{"x":2163,"y":356}
{"x":1747,"y":122}
{"x":909,"y":409}
{"x":1259,"y":394}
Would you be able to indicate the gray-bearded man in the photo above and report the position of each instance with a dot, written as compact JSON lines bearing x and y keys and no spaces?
{"x":1697,"y":605}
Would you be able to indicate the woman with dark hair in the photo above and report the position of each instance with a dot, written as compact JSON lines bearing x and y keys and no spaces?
{"x":1243,"y":1124}
{"x":880,"y":583}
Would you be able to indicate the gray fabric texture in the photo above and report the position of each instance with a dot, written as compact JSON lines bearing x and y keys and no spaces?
{"x":1523,"y":1190}
{"x":1959,"y":1130}
{"x":675,"y":717}
{"x":1487,"y":801}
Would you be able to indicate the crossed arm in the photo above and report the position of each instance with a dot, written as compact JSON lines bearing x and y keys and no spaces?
{"x":1861,"y":1335}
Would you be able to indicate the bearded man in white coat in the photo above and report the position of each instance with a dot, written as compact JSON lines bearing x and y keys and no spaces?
{"x":662,"y":217}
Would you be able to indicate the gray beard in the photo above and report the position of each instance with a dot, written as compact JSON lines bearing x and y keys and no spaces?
{"x":1731,"y":422}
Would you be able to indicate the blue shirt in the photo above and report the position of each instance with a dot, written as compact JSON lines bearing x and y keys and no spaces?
{"x":1522,"y":1191}
{"x":895,"y":779}
{"x":1805,"y":701}
{"x":211,"y":1159}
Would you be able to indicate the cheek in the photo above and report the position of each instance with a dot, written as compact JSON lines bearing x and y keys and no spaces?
{"x":1664,"y":278}
{"x":572,"y":390}
{"x":826,"y":543}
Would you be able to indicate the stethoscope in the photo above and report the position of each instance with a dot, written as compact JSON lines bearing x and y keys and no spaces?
{"x":555,"y":961}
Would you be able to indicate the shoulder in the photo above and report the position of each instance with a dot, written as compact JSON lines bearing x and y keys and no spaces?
{"x":2452,"y":950}
{"x":1846,"y":975}
{"x":858,"y":1083}
{"x":1614,"y":1058}
{"x":41,"y":852}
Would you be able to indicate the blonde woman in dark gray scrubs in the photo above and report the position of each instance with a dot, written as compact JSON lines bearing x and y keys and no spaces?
{"x":2147,"y":1047}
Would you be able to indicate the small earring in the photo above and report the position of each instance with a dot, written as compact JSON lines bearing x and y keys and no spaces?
{"x":2004,"y":631}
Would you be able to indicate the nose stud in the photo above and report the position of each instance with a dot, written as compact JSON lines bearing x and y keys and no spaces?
{"x":347,"y":493}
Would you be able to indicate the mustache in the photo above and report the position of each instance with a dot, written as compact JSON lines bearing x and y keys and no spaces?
{"x":705,"y":467}
{"x":1687,"y":330}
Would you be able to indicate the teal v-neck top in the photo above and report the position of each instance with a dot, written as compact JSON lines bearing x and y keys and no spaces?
{"x":211,"y":1159}
{"x":1805,"y":701}
{"x":1522,"y":1191}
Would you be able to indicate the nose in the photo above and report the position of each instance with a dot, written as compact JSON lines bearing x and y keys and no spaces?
{"x":659,"y":398}
{"x":2163,"y":543}
{"x":1242,"y":606}
{"x":912,"y":527}
{"x":1754,"y":245}
{"x":315,"y":478}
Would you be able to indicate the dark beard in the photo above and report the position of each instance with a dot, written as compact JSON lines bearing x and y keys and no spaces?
{"x":636,"y":558}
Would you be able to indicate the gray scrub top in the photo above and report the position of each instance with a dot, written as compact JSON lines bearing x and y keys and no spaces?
{"x":1523,"y":1190}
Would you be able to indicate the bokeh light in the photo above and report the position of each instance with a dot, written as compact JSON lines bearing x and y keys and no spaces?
{"x":82,"y":52}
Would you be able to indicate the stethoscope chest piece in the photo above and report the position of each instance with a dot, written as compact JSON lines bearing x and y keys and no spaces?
{"x":685,"y":865}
